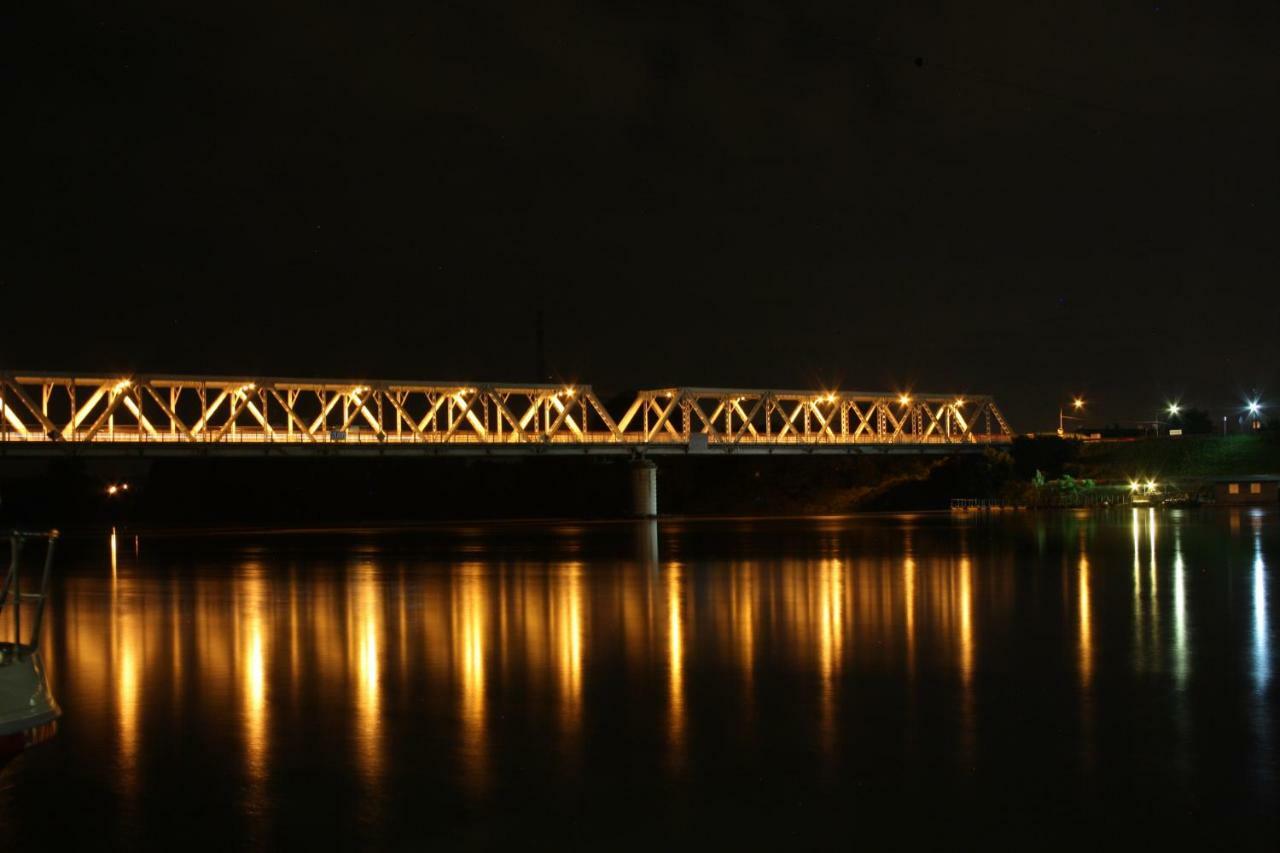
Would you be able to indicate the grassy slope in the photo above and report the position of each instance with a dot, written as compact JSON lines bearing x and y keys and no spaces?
{"x":1193,"y":457}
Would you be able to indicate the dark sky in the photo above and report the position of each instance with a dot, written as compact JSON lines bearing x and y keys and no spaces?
{"x":1027,"y":198}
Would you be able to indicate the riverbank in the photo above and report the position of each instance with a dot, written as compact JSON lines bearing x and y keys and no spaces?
{"x":205,"y":492}
{"x":210,"y":492}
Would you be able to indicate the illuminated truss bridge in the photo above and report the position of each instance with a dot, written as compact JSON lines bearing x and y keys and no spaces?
{"x":42,"y":413}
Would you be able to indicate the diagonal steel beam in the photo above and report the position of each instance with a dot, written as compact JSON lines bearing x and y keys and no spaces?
{"x":563,"y":418}
{"x":789,"y":422}
{"x":747,"y":418}
{"x":824,"y":422}
{"x":413,"y":426}
{"x":864,"y":421}
{"x":167,"y":409}
{"x":291,"y":414}
{"x":630,"y":414}
{"x":136,"y":411}
{"x":83,"y":412}
{"x":591,"y":398}
{"x":100,"y":422}
{"x":45,"y":423}
{"x":202,"y":424}
{"x":928,"y":410}
{"x":466,"y":403}
{"x":235,"y":413}
{"x":430,"y":416}
{"x":664,"y":422}
{"x":325,"y":408}
{"x":663,"y":417}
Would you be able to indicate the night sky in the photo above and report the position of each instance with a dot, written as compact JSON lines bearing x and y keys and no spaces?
{"x":1029,"y":199}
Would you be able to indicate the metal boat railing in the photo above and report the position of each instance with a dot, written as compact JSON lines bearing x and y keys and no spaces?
{"x":12,"y":596}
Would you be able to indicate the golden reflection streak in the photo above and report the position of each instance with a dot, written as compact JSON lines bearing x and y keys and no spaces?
{"x":1138,"y":615}
{"x":568,"y":620}
{"x":744,"y":606}
{"x":175,"y":645}
{"x":1086,"y":623}
{"x":293,"y":635}
{"x":675,"y":661}
{"x":966,"y":620}
{"x":909,"y":603}
{"x":126,"y":646}
{"x":469,"y":631}
{"x":402,"y":630}
{"x":1085,"y":608}
{"x":830,"y":641}
{"x":254,"y":674}
{"x":968,"y":732}
{"x":365,"y":621}
{"x":128,"y":651}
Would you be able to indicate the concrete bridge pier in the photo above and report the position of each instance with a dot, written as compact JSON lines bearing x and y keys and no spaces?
{"x":647,"y":543}
{"x":644,"y":489}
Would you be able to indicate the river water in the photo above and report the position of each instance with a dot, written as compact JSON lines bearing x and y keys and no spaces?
{"x":1044,"y":679}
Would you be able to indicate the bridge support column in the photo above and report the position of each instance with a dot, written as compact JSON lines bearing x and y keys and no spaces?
{"x":644,"y":489}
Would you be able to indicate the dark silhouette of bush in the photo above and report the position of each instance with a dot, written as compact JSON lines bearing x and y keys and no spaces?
{"x":1192,"y":422}
{"x":1048,"y":454}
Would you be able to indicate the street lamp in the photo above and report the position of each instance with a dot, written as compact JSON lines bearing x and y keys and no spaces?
{"x":1255,"y":411}
{"x":1077,"y":403}
{"x":1173,"y":409}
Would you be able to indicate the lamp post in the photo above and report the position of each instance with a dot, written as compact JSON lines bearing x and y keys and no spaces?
{"x":1077,"y":404}
{"x":1173,"y":410}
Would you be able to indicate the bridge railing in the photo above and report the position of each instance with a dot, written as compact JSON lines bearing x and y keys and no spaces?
{"x":64,"y":408}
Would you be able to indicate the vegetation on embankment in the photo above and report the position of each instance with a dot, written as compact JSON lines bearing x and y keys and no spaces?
{"x":1050,"y":471}
{"x":1195,"y":457}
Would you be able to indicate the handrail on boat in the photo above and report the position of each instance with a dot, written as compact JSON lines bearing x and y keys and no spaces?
{"x":13,"y":584}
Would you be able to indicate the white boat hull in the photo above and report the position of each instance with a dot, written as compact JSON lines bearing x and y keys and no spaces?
{"x":28,"y":711}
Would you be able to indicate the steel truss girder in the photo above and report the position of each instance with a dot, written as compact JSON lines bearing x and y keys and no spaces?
{"x":79,"y":410}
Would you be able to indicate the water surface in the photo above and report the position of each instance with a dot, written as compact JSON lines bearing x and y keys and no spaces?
{"x":922,"y":679}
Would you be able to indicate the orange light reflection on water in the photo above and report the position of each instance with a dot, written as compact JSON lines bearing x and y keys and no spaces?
{"x":1086,"y":621}
{"x":371,"y":643}
{"x":254,"y":654}
{"x":675,"y":661}
{"x":568,"y":619}
{"x":469,"y":619}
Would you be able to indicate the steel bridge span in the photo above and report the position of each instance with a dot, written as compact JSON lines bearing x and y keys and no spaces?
{"x":49,"y":414}
{"x":44,"y":413}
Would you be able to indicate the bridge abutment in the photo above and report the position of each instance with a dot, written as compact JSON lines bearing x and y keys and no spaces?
{"x":644,"y":489}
